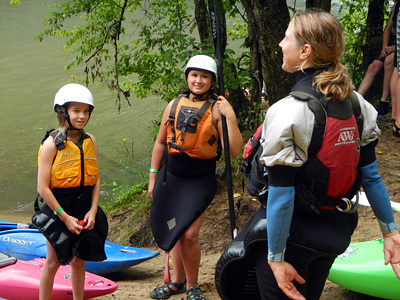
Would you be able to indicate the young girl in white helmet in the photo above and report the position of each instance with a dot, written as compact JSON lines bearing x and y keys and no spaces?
{"x":182,"y":174}
{"x":69,"y":183}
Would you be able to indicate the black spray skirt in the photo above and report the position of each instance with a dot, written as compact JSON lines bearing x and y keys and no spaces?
{"x":189,"y":188}
{"x":89,"y":244}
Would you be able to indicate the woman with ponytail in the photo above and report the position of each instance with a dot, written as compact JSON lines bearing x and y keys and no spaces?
{"x":310,"y":215}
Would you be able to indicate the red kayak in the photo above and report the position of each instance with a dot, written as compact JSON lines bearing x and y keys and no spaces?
{"x":19,"y":280}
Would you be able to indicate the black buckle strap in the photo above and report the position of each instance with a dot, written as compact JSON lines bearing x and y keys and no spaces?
{"x":346,"y":205}
{"x":175,"y":146}
{"x":172,"y":112}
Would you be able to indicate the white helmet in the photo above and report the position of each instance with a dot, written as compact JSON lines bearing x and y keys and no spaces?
{"x":73,"y":92}
{"x":201,"y":62}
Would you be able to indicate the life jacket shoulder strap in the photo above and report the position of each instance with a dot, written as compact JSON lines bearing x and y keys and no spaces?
{"x":355,"y":104}
{"x":174,"y":106}
{"x":314,"y":104}
{"x":204,"y":108}
{"x":171,"y":118}
{"x":58,"y":137}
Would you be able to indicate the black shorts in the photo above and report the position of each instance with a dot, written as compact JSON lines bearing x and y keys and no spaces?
{"x":378,"y":53}
{"x":379,"y":57}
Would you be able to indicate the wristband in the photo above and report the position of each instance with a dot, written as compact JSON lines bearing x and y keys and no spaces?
{"x":56,"y":212}
{"x":153,"y":170}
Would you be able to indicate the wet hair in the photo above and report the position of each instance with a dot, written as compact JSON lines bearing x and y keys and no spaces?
{"x":325,"y":35}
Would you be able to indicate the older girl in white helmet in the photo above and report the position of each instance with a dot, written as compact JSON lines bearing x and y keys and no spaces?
{"x":69,"y":183}
{"x":182,"y":174}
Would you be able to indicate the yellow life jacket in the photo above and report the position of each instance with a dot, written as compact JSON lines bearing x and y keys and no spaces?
{"x":74,"y":164}
{"x":190,"y":128}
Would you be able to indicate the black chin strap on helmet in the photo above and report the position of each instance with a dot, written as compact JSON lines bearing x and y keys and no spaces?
{"x":64,"y":112}
{"x":61,"y":109}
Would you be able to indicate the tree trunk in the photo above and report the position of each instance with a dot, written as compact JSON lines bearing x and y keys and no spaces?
{"x":202,"y":20}
{"x":236,"y":96}
{"x":267,"y":20}
{"x":256,"y":87}
{"x":323,"y":4}
{"x":373,"y":42}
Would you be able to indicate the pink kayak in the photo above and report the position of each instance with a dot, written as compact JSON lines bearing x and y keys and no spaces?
{"x":19,"y":280}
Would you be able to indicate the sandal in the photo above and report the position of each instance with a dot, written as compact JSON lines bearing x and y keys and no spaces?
{"x":166,"y":291}
{"x":195,"y":294}
{"x":396,"y":130}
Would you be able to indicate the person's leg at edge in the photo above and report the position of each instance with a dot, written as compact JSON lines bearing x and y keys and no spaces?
{"x":191,"y":252}
{"x":178,"y":275}
{"x":366,"y":83}
{"x":394,"y":82}
{"x":77,"y":278}
{"x":396,"y":107}
{"x":388,"y":70}
{"x":49,"y":270}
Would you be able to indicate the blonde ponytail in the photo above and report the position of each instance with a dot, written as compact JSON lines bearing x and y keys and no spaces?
{"x":324,"y":34}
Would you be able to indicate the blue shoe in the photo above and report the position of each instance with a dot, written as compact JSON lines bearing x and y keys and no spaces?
{"x":195,"y":294}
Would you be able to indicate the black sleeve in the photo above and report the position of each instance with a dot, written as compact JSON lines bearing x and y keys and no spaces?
{"x":282,"y":175}
{"x":367,"y":155}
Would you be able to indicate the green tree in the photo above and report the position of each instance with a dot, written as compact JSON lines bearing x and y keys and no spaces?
{"x":141,"y":47}
{"x":15,"y":2}
{"x":363,"y":23}
{"x":323,"y":4}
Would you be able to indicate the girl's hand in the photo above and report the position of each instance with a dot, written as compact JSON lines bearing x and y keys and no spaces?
{"x":90,"y":218}
{"x":72,"y":224}
{"x":225,"y":108}
{"x":150,"y":188}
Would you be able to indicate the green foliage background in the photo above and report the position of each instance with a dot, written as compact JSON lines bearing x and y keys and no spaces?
{"x":354,"y":19}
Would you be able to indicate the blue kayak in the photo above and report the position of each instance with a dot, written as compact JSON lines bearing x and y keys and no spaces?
{"x":28,"y":244}
{"x":5,"y":225}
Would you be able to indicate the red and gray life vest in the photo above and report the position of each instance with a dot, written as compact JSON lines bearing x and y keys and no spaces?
{"x":330,"y":178}
{"x":331,"y":173}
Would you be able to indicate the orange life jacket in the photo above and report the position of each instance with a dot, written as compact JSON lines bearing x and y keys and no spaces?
{"x":74,"y":164}
{"x":190,"y":128}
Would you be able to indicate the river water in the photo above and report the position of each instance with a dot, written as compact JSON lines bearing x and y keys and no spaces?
{"x":30,"y":74}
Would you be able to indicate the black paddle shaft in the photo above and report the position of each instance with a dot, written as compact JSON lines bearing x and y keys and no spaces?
{"x":218,"y":30}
